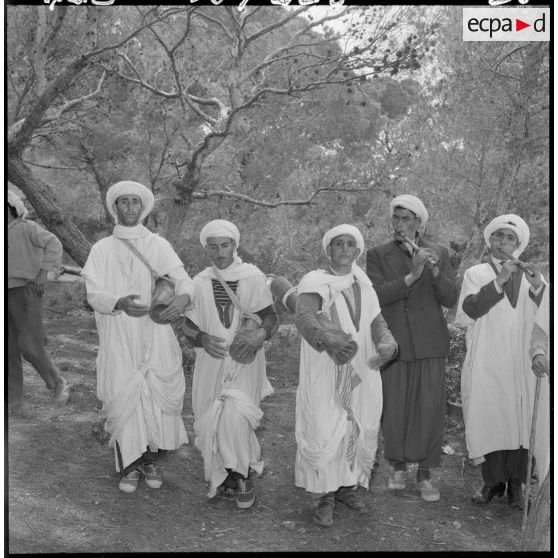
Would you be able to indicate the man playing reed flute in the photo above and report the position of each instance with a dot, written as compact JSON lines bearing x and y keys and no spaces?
{"x":413,"y":280}
{"x":497,"y":304}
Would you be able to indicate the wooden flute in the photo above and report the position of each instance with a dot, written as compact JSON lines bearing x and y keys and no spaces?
{"x":414,"y":245}
{"x":520,"y":264}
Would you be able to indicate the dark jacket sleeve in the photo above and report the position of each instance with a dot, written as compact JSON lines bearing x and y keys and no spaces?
{"x":477,"y":305}
{"x":307,"y":306}
{"x":445,"y":289}
{"x":387,"y":291}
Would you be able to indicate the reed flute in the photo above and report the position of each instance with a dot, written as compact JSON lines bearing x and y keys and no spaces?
{"x":414,"y":245}
{"x":520,"y":264}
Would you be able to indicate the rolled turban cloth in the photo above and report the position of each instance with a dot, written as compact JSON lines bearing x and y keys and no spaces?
{"x":344,"y":229}
{"x":17,"y":203}
{"x":217,"y":228}
{"x":130,"y":188}
{"x":412,"y":203}
{"x":513,"y":222}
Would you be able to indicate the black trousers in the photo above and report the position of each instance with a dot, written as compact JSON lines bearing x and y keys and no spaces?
{"x":501,"y":466}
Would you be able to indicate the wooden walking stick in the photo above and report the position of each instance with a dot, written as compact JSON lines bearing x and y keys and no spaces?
{"x":530,"y":454}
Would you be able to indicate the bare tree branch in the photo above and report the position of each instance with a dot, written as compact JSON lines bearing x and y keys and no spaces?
{"x":228,"y":193}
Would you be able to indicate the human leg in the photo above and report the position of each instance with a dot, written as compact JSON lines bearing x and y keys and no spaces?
{"x":26,"y":310}
{"x":347,"y":497}
{"x":516,"y":470}
{"x":239,"y":449}
{"x":131,"y":474}
{"x":494,"y":478}
{"x":15,"y":369}
{"x":150,"y":471}
{"x":394,"y":382}
{"x":323,"y":515}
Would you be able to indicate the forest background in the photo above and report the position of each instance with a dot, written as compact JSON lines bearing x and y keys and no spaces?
{"x":285,"y":120}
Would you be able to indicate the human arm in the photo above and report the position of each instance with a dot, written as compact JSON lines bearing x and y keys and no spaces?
{"x":52,"y":253}
{"x":99,"y":297}
{"x":214,"y":346}
{"x":538,"y":351}
{"x":385,"y":343}
{"x":387,"y":291}
{"x":318,"y":337}
{"x":443,"y":279}
{"x":184,"y":293}
{"x":130,"y":307}
{"x":478,"y":304}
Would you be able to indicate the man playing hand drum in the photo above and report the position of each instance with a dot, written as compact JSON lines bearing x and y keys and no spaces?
{"x":139,"y":366}
{"x":339,"y":397}
{"x":232,"y":317}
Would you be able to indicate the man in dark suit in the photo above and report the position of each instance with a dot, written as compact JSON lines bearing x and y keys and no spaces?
{"x":412,"y":286}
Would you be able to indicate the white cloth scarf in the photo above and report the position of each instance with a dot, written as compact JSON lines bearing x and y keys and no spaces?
{"x":237,"y":270}
{"x":139,"y":231}
{"x":16,"y":202}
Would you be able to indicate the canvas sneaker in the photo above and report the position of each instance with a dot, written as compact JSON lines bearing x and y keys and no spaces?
{"x":129,"y":483}
{"x":245,"y":494}
{"x":397,"y":480}
{"x":428,"y":492}
{"x":152,"y":476}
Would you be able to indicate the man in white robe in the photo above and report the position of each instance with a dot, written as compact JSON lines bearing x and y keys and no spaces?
{"x":497,"y":304}
{"x":339,"y":404}
{"x":140,"y":380}
{"x":540,"y":354}
{"x":226,"y":393}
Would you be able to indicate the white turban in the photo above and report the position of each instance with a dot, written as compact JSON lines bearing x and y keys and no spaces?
{"x":16,"y":202}
{"x":412,"y":203}
{"x":513,"y":222}
{"x":219,"y":227}
{"x":130,"y":188}
{"x":344,"y":229}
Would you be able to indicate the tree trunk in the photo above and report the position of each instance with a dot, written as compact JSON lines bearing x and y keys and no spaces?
{"x":185,"y":186}
{"x":536,"y":537}
{"x":43,"y":200}
{"x":512,"y":157}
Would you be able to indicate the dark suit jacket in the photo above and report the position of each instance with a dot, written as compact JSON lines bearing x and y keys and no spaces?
{"x":414,"y":314}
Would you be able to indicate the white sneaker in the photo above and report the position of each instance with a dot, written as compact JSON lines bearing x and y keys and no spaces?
{"x":152,"y":477}
{"x":129,"y":483}
{"x":397,"y":480}
{"x":428,"y":492}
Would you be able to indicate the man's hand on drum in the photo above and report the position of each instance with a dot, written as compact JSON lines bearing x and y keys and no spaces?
{"x":214,"y":346}
{"x":249,"y":341}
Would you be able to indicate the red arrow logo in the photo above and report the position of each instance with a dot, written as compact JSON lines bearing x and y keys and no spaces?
{"x":519,"y":25}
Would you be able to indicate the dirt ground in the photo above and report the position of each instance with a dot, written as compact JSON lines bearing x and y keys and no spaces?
{"x":62,"y":489}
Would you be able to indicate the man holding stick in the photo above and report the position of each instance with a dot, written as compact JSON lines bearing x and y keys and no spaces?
{"x":497,"y":304}
{"x":413,"y":279}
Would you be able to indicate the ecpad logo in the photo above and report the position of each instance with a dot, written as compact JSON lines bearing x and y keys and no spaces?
{"x":506,"y":24}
